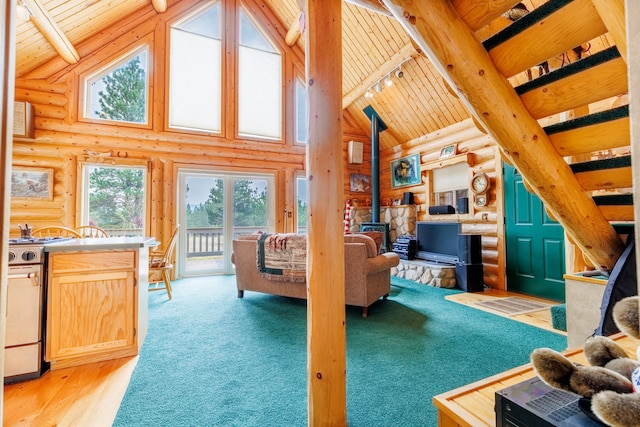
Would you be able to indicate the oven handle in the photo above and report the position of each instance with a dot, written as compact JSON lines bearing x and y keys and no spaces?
{"x":31,"y":275}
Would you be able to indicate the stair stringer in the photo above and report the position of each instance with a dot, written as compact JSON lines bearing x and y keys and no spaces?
{"x":463,"y":61}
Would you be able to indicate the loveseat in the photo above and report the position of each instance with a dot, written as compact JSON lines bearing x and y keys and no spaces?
{"x":367,"y":273}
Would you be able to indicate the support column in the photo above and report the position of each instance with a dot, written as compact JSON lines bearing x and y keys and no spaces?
{"x":325,"y":249}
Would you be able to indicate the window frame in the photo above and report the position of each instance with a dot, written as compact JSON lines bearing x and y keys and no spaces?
{"x":114,"y":162}
{"x":114,"y":61}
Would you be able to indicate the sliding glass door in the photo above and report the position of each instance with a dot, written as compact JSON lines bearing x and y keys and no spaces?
{"x":216,"y":206}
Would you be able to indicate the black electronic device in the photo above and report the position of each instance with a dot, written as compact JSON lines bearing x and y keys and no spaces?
{"x":405,"y":247}
{"x":407,"y":198}
{"x":470,"y":277}
{"x":438,"y":241}
{"x":534,"y":403}
{"x":441,"y":210}
{"x":463,"y":205}
{"x":470,"y":249}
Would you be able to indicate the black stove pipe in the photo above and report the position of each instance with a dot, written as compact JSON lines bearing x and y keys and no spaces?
{"x":375,"y":170}
{"x":377,"y":126}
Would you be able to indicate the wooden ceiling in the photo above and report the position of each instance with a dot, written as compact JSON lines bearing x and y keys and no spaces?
{"x":374,"y":45}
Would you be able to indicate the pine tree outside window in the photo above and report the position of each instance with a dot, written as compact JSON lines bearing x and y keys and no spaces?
{"x":118,"y":92}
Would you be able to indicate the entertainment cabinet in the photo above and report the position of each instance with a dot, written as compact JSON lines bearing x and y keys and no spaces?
{"x":443,"y":242}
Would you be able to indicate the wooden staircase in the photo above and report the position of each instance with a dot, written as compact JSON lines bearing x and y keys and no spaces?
{"x":580,"y":168}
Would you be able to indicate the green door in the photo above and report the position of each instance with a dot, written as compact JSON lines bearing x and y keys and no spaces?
{"x":534,"y":243}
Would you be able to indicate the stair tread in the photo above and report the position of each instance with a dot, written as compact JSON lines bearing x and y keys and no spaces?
{"x":598,"y":165}
{"x":588,"y":120}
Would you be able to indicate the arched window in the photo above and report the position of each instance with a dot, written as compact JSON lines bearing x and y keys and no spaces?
{"x":195,"y":71}
{"x":259,"y":83}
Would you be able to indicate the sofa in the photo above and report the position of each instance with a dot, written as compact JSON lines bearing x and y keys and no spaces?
{"x":367,"y":272}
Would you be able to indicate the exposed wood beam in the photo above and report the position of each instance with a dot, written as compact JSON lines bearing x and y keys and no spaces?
{"x":372,"y":5}
{"x":51,"y":31}
{"x":294,"y":30}
{"x":326,"y":333}
{"x":612,"y":14}
{"x":455,"y":51}
{"x":385,"y":68}
{"x":159,"y":5}
{"x":477,"y":14}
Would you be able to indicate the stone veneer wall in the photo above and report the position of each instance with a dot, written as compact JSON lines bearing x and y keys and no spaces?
{"x":437,"y":275}
{"x":401,"y":219}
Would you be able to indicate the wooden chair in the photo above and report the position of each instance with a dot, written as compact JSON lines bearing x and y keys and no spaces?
{"x":55,"y":231}
{"x":91,"y":231}
{"x":160,"y":265}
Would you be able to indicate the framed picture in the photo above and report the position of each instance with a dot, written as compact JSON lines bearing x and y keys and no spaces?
{"x":405,"y":171}
{"x":449,"y":151}
{"x":359,"y":183}
{"x":32,"y":183}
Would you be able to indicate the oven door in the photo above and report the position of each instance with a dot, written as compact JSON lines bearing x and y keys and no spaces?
{"x":24,"y":319}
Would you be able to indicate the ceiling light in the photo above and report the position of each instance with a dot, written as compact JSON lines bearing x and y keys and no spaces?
{"x":378,"y":87}
{"x":388,"y":82}
{"x":368,"y":94}
{"x":399,"y":73}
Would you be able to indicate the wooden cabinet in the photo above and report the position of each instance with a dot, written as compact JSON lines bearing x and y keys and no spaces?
{"x":92,"y":306}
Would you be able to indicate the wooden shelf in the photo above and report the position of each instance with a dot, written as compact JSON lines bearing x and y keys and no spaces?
{"x":441,"y":163}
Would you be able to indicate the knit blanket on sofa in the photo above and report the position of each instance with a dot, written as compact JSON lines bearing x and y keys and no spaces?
{"x":282,"y":256}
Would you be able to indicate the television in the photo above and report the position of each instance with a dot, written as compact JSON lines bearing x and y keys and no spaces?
{"x":437,"y":241}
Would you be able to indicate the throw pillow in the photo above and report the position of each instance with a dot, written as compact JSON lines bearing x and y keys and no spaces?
{"x":377,"y":236}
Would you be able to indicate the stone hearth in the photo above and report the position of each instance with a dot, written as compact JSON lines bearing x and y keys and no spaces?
{"x":437,"y":275}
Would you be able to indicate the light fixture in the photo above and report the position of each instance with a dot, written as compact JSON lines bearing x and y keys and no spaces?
{"x":399,"y":73}
{"x":378,"y":87}
{"x":22,"y":13}
{"x":387,"y":81}
{"x":368,"y":94}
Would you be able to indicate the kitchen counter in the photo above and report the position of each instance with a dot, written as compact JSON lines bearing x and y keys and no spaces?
{"x":97,"y":299}
{"x":100,"y":243}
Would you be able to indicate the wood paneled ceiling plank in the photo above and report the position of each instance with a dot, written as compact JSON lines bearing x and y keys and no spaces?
{"x":371,"y":5}
{"x":568,"y":27}
{"x":602,"y":81}
{"x":385,"y":68}
{"x":457,"y":54}
{"x":51,"y":31}
{"x":477,"y":14}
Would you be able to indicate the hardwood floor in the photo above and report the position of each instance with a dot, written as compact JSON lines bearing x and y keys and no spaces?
{"x":89,"y":395}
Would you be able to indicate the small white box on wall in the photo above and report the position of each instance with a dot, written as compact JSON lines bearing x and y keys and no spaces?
{"x":23,"y":119}
{"x":355,"y":151}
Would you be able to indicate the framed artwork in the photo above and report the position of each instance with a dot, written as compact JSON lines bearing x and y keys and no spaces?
{"x":449,"y":151}
{"x":405,"y":171}
{"x":32,"y":183}
{"x":359,"y":183}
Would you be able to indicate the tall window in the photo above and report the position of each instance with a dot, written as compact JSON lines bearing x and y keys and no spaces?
{"x":114,"y":198}
{"x":259,"y":83}
{"x":302,"y":204}
{"x":119,"y":91}
{"x":195,"y":73}
{"x":302,"y":119}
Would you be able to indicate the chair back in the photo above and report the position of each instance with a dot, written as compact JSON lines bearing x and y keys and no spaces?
{"x":163,"y":259}
{"x":55,"y":231}
{"x":91,"y":231}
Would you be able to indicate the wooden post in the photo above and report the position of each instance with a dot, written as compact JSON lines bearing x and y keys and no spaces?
{"x":633,"y":60}
{"x":454,"y":50}
{"x":8,"y":65}
{"x":325,"y":248}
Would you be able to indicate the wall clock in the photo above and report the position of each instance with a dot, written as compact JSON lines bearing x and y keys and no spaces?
{"x":481,"y":200}
{"x":480,"y":183}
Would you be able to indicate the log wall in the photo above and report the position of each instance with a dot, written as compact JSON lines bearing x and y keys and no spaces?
{"x":483,"y":157}
{"x":63,"y":140}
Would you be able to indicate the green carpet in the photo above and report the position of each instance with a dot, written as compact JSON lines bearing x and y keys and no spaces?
{"x":211,"y":359}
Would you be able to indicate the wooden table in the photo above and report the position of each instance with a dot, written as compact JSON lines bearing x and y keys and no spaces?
{"x":473,"y":404}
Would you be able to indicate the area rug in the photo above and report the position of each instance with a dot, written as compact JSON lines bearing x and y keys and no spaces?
{"x":512,"y":306}
{"x":212,"y":359}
